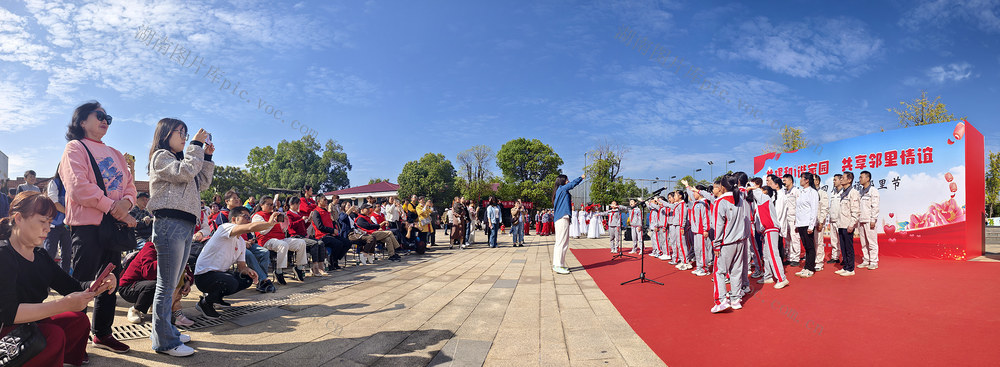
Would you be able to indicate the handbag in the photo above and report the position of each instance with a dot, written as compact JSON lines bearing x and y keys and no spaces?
{"x":21,"y":345}
{"x":114,"y":234}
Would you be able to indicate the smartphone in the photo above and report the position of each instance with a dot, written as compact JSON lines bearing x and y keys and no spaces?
{"x":100,"y":278}
{"x":209,"y":141}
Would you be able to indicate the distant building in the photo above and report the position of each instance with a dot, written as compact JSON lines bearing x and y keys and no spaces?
{"x":356,"y":195}
{"x":3,"y":167}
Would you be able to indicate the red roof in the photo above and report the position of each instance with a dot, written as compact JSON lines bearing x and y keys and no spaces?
{"x":364,"y":189}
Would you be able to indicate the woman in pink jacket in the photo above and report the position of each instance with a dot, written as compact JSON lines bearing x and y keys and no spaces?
{"x":86,"y":204}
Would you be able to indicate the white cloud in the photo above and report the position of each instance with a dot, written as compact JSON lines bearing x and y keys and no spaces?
{"x":342,"y":88}
{"x":950,"y":72}
{"x":21,"y":108}
{"x":829,"y":48}
{"x":982,"y":14}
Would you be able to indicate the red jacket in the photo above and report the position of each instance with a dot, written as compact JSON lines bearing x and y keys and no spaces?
{"x":275,"y":232}
{"x":298,"y":224}
{"x":306,"y":206}
{"x":142,"y":267}
{"x":324,"y":216}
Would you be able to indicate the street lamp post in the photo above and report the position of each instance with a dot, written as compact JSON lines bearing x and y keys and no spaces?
{"x":693,"y":174}
{"x":727,"y":165}
{"x":711,"y":172}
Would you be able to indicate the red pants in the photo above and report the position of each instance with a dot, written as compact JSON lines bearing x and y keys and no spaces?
{"x":538,"y":228}
{"x":65,"y":339}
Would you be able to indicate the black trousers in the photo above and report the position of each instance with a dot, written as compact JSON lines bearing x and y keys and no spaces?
{"x":316,"y":250}
{"x":140,"y":293}
{"x":89,"y":258}
{"x":781,"y":249}
{"x":809,"y":243}
{"x":218,"y":284}
{"x":846,"y":248}
{"x":337,"y":245}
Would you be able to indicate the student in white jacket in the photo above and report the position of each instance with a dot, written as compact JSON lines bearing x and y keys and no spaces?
{"x":850,"y":210}
{"x":821,"y":216}
{"x":834,"y":216}
{"x":787,"y":214}
{"x":806,"y":208}
{"x":867,"y":220}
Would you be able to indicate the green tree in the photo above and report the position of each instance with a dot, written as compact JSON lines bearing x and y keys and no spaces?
{"x":993,"y":184}
{"x":432,"y":176}
{"x":476,"y":179}
{"x":789,"y":139}
{"x":923,"y":112}
{"x":235,"y":178}
{"x":294,"y":164}
{"x":377,"y":180}
{"x":605,"y":185}
{"x":691,"y":181}
{"x":527,"y":160}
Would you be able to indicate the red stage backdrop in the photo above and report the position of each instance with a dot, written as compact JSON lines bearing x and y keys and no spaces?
{"x":930,"y":179}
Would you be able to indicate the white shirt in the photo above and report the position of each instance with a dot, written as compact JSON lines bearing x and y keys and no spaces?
{"x":391,"y":212}
{"x":221,"y":251}
{"x":806,"y":207}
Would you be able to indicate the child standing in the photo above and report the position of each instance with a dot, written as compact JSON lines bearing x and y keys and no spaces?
{"x":731,"y":228}
{"x":635,"y":222}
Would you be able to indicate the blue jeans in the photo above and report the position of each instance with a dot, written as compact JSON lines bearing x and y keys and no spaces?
{"x":517,"y":233}
{"x":468,"y":230}
{"x":256,"y":257}
{"x":494,"y":230}
{"x":172,"y":238}
{"x":59,"y":238}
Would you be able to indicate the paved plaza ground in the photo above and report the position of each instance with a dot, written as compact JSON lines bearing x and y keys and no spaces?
{"x":450,"y":307}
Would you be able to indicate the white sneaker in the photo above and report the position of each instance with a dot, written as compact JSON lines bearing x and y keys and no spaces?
{"x":464,"y":245}
{"x":179,"y":351}
{"x":863,"y":265}
{"x":185,"y":338}
{"x":847,"y":273}
{"x":736,"y":306}
{"x":767,"y":281}
{"x":872,"y":266}
{"x":720,"y":307}
{"x":614,"y":251}
{"x":560,"y":269}
{"x":819,"y":268}
{"x":838,"y":272}
{"x":654,"y":255}
{"x":664,"y":257}
{"x":135,"y":316}
{"x":781,"y":284}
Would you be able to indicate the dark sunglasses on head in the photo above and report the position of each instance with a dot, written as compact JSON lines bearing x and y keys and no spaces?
{"x":103,"y":116}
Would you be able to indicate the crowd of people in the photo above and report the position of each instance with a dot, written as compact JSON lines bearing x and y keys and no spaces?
{"x":166,"y":242}
{"x":739,"y":228}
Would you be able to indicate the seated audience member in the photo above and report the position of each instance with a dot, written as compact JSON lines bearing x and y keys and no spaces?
{"x":275,"y":240}
{"x":27,"y":273}
{"x":364,"y":223}
{"x":257,"y":258}
{"x":144,"y":220}
{"x":212,"y":273}
{"x":324,"y":229}
{"x":138,"y":284}
{"x":298,"y":229}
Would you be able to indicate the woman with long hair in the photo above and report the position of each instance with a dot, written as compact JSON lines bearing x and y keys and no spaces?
{"x":177,"y":176}
{"x":27,"y":274}
{"x":87,"y":204}
{"x":561,"y":199}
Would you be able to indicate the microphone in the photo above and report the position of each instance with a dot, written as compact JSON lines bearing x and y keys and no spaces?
{"x":657,"y":191}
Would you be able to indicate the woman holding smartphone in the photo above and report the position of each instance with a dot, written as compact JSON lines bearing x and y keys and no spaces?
{"x":177,"y":176}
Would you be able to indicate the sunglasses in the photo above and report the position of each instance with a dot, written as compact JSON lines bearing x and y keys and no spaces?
{"x":101,"y":116}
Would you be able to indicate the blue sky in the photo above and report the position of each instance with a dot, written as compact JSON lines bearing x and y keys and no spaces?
{"x":392,"y":80}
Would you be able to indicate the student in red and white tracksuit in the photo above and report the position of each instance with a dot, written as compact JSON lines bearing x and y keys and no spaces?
{"x":731,"y":228}
{"x":656,"y":226}
{"x":700,"y":225}
{"x":635,"y":222}
{"x":766,"y":222}
{"x":682,"y":224}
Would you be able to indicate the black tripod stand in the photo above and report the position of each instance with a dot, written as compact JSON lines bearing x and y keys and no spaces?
{"x":642,"y":252}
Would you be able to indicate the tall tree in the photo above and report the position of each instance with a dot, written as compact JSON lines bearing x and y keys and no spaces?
{"x":474,"y":168}
{"x":235,"y":178}
{"x":527,"y":160}
{"x":432,"y":175}
{"x":923,"y":112}
{"x":789,"y":139}
{"x":294,"y":164}
{"x":993,"y":184}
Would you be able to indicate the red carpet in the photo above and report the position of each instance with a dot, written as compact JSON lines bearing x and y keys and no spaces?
{"x":908,"y":312}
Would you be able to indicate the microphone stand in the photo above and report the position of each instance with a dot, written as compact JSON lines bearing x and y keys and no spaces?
{"x":642,"y":258}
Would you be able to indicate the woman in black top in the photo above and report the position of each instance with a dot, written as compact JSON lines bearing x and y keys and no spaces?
{"x":26,"y":275}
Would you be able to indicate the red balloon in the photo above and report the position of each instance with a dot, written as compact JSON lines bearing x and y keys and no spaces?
{"x":948,"y":176}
